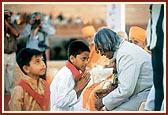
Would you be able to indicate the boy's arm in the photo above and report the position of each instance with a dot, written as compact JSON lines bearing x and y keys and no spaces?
{"x":16,"y":100}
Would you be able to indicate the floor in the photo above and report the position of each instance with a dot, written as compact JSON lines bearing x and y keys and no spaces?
{"x":6,"y":100}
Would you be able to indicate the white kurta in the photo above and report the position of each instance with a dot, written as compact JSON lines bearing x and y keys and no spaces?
{"x":135,"y":77}
{"x":63,"y":96}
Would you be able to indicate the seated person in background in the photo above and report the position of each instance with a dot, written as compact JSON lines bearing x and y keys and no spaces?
{"x":32,"y":93}
{"x":68,"y":84}
{"x":123,"y":35}
{"x":95,"y":59}
{"x":138,"y":36}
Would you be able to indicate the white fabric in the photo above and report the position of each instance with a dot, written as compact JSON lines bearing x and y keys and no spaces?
{"x":9,"y":68}
{"x":150,"y":102}
{"x":155,"y":16}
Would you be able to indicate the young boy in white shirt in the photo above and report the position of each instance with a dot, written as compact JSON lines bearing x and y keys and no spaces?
{"x":70,"y":81}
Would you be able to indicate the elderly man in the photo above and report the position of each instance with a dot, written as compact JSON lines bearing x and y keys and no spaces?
{"x":134,"y":67}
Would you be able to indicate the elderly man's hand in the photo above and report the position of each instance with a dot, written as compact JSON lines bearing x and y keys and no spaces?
{"x":100,"y":93}
{"x":98,"y":104}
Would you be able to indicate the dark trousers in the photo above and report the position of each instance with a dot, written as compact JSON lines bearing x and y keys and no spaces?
{"x":157,"y":62}
{"x":158,"y":77}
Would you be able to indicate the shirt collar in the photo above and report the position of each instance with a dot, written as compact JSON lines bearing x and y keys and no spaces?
{"x":76,"y":73}
{"x":115,"y":53}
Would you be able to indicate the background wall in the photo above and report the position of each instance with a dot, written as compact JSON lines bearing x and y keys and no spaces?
{"x":135,"y":14}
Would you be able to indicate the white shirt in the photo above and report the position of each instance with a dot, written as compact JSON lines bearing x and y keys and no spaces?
{"x":63,"y":96}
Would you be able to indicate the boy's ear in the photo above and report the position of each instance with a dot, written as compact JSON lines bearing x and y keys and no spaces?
{"x":72,"y":58}
{"x":26,"y":69}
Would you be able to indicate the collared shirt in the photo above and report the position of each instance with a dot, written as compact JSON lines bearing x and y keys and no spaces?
{"x":21,"y":100}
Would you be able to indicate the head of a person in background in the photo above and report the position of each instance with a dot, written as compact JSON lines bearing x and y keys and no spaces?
{"x":123,"y":35}
{"x":7,"y":15}
{"x":31,"y":62}
{"x":37,"y":19}
{"x":89,"y":32}
{"x":107,"y":42}
{"x":137,"y":36}
{"x":78,"y":54}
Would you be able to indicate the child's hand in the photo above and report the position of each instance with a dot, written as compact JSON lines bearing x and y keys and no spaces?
{"x":86,"y":74}
{"x":82,"y":82}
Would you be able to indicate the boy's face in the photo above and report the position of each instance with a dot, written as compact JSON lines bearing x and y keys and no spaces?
{"x":81,"y":60}
{"x":37,"y":66}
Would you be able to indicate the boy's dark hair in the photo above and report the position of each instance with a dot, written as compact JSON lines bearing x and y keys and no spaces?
{"x":77,"y":47}
{"x":25,"y":55}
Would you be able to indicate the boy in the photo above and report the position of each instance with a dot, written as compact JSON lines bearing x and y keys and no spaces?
{"x":70,"y":81}
{"x":32,"y":93}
